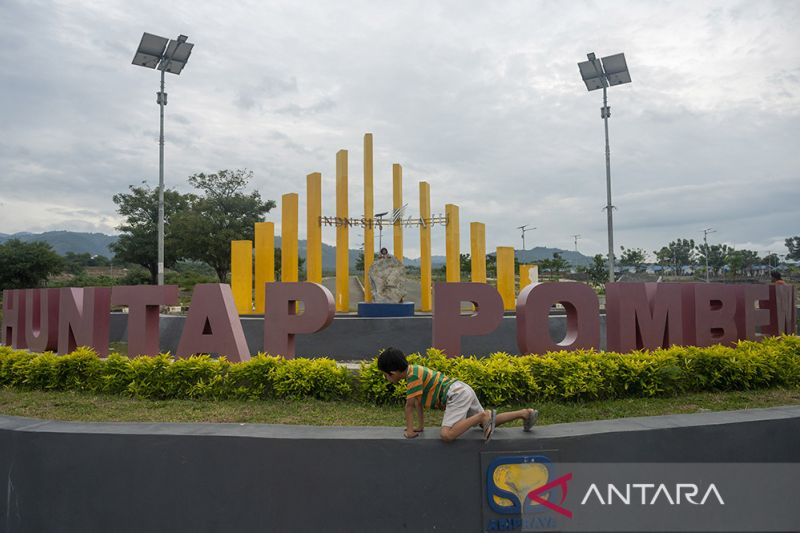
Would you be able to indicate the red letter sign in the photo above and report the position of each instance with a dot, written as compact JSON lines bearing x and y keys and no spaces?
{"x":13,"y":318}
{"x":449,"y":325}
{"x":281,"y":322}
{"x":533,"y":317}
{"x":144,"y":302}
{"x":212,"y":325}
{"x":643,"y":316}
{"x":752,"y":311}
{"x":709,"y":314}
{"x":41,"y":319}
{"x":83,"y":317}
{"x":783,"y":312}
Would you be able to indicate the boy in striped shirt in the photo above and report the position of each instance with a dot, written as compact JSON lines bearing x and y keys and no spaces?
{"x":429,"y":388}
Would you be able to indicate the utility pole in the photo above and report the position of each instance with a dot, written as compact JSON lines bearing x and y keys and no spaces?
{"x":705,"y":244}
{"x":576,"y":237}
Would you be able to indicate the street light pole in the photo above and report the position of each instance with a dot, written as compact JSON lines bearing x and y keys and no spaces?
{"x":705,"y":245}
{"x":168,"y":55}
{"x":524,"y":228}
{"x":576,"y":237}
{"x":599,"y":74}
{"x":162,"y":100}
{"x":606,"y":111}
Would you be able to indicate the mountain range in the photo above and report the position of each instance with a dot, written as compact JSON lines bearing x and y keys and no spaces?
{"x":97,"y":244}
{"x":68,"y":241}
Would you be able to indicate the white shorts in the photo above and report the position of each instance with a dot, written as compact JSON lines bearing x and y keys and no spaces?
{"x":461,"y":403}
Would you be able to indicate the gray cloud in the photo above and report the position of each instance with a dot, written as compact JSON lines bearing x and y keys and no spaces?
{"x":482,"y":100}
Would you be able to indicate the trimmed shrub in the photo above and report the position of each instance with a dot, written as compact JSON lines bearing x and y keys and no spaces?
{"x":498,"y":379}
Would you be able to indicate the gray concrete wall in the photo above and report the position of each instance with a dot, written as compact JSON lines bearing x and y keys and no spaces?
{"x":92,"y":477}
{"x":353,"y":338}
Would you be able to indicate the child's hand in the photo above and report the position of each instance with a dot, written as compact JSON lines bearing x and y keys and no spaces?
{"x":413,"y":434}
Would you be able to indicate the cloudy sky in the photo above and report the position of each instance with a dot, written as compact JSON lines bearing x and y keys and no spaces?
{"x":481,"y":99}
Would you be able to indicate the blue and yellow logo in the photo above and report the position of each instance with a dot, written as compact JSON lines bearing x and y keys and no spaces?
{"x":525,"y":484}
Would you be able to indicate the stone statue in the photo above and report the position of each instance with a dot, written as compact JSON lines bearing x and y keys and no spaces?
{"x":387,"y":277}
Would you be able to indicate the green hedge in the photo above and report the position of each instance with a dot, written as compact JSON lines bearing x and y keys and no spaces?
{"x":499,"y":379}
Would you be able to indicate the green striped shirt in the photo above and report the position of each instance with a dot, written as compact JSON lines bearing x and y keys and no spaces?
{"x":430,"y":384}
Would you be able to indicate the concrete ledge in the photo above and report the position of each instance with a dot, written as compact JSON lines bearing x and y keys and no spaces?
{"x":121,"y":477}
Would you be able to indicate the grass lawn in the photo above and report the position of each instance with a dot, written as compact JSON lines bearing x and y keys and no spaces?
{"x":89,"y":407}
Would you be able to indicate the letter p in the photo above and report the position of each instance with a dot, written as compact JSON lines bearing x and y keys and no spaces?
{"x":281,"y":321}
{"x":449,"y":325}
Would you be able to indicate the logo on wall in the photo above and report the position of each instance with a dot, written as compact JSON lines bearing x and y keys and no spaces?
{"x":527,"y":493}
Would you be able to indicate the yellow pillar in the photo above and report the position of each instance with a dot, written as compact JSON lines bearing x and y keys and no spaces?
{"x":477,"y":241}
{"x":313,"y":227}
{"x":452,"y":247}
{"x":505,"y":276}
{"x":289,"y":237}
{"x":265,"y":260}
{"x":342,"y":236}
{"x":369,"y":214}
{"x":242,"y":275}
{"x":425,"y":246}
{"x":397,"y":189}
{"x":525,"y":276}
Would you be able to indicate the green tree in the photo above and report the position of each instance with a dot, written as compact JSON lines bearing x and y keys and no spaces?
{"x":742,"y":261}
{"x":770,"y":260}
{"x":77,"y":263}
{"x":223,"y":213}
{"x":138,"y":239}
{"x":466,"y":263}
{"x":678,"y":253}
{"x":717,"y":256}
{"x":598,"y":271}
{"x":26,"y":265}
{"x":300,"y":265}
{"x":793,"y":245}
{"x":633,"y":257}
{"x":555,"y":265}
{"x":491,"y":265}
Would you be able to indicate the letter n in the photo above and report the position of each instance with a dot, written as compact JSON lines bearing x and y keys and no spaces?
{"x":281,"y":321}
{"x":643,"y":316}
{"x":83,"y":319}
{"x":212,"y":324}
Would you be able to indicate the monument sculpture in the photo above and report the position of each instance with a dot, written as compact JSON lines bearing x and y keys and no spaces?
{"x":387,"y":279}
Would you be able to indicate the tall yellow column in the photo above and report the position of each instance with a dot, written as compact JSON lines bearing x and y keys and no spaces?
{"x":289,"y":237}
{"x":242,"y":275}
{"x":397,"y":190}
{"x":265,"y":260}
{"x":369,"y":214}
{"x":525,"y":276}
{"x":313,"y":227}
{"x":505,"y":276}
{"x":453,"y":249}
{"x":477,"y":241}
{"x":425,"y":246}
{"x":342,"y":236}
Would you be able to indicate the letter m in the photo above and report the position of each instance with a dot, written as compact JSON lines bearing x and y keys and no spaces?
{"x":643,"y":316}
